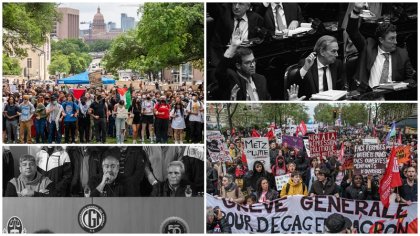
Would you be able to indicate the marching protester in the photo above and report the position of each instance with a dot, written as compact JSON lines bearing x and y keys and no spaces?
{"x":87,"y":114}
{"x":313,"y":171}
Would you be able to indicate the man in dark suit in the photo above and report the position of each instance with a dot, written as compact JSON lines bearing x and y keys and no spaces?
{"x":234,"y":17}
{"x":321,"y":70}
{"x":280,"y":16}
{"x":242,"y":83}
{"x":380,"y":60}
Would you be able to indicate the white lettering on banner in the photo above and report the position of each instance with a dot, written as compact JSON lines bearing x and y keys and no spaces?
{"x":323,"y":144}
{"x":370,"y":159}
{"x":257,"y":149}
{"x":299,"y":214}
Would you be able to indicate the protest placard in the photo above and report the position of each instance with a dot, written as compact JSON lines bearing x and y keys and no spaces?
{"x":95,"y":78}
{"x":216,"y":147}
{"x":312,"y":128}
{"x":306,"y":144}
{"x":281,"y":181}
{"x":323,"y":144}
{"x":300,"y":214}
{"x":291,"y":129}
{"x":293,"y":142}
{"x":257,"y":149}
{"x":370,"y":141}
{"x":278,"y":134}
{"x":370,"y":159}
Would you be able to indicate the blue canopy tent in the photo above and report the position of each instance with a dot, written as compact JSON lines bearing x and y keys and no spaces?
{"x":83,"y":78}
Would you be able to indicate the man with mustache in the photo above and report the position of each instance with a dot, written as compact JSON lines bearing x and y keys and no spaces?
{"x":110,"y":184}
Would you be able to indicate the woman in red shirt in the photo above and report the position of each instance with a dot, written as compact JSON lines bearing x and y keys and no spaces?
{"x":161,"y":111}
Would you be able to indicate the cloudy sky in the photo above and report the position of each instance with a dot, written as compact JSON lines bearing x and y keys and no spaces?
{"x":110,"y":11}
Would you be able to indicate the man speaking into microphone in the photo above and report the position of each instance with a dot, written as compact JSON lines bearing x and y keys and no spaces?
{"x":110,"y":184}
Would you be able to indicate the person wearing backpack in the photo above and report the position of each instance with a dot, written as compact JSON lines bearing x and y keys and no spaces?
{"x":70,"y":111}
{"x":294,"y":186}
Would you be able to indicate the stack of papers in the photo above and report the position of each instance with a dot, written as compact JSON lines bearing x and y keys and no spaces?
{"x":330,"y":95}
{"x":393,"y":86}
{"x":305,"y":27}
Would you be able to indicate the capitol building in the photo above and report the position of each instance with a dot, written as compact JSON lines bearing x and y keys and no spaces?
{"x":98,"y":30}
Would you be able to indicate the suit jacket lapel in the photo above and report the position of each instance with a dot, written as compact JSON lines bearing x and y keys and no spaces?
{"x":394,"y":61}
{"x":315,"y":76}
{"x":270,"y":16}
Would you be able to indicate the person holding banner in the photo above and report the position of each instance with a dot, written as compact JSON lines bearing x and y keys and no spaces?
{"x":264,"y":192}
{"x":294,"y":186}
{"x":357,"y":190}
{"x":230,"y":191}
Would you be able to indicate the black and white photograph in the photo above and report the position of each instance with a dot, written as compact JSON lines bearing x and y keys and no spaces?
{"x":124,"y":181}
{"x":311,"y":51}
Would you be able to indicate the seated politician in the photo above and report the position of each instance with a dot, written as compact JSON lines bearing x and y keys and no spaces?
{"x":240,"y":82}
{"x":321,"y":70}
{"x":30,"y":182}
{"x":282,"y":16}
{"x":175,"y":185}
{"x":380,"y":60}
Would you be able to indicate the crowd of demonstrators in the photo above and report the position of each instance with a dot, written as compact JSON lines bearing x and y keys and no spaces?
{"x":45,"y":113}
{"x":324,"y":175}
{"x":93,"y":171}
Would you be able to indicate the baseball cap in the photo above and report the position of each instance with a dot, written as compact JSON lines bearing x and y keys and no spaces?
{"x":336,"y":223}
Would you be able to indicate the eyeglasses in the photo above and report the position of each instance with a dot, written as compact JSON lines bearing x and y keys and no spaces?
{"x":174,"y":173}
{"x":113,"y":166}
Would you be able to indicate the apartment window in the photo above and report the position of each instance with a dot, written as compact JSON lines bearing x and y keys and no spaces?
{"x":29,"y":63}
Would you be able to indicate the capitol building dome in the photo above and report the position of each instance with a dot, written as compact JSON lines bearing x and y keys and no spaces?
{"x":98,"y":25}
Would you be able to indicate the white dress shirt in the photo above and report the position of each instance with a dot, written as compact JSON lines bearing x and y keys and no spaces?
{"x":376,"y":70}
{"x":251,"y":89}
{"x":282,"y":15}
{"x":243,"y":28}
{"x":320,"y":67}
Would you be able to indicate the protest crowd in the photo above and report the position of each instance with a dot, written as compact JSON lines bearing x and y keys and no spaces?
{"x":48,"y":113}
{"x":97,"y":171}
{"x":252,"y":166}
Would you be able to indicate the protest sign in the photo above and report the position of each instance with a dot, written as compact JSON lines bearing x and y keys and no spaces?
{"x":257,"y":149}
{"x":312,"y":128}
{"x":216,"y":147}
{"x":370,"y":141}
{"x":291,"y":129}
{"x":348,"y":163}
{"x":306,"y":144}
{"x":278,"y":134}
{"x":403,"y":154}
{"x":370,"y":159}
{"x":299,"y":214}
{"x":323,"y":144}
{"x":294,"y":142}
{"x":95,"y":78}
{"x":281,"y":181}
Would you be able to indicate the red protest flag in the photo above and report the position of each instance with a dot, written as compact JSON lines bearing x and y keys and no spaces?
{"x":374,"y":132}
{"x":301,"y":128}
{"x":341,"y":156}
{"x":270,"y":134}
{"x":233,"y":132}
{"x":243,"y":158}
{"x":77,"y":93}
{"x":391,"y":179}
{"x":255,"y":134}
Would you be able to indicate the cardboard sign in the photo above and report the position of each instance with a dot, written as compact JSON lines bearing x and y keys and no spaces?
{"x":370,"y":159}
{"x":216,"y":147}
{"x":323,"y":144}
{"x":95,"y":78}
{"x":257,"y":149}
{"x":281,"y":181}
{"x":291,"y":129}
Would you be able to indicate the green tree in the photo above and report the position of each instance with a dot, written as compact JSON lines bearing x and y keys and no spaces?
{"x":27,"y":24}
{"x":11,"y":66}
{"x":354,"y":113}
{"x":324,"y":113}
{"x":389,"y":112}
{"x":99,"y":45}
{"x":59,"y":64}
{"x":279,"y":113}
{"x":68,"y":46}
{"x":172,"y":33}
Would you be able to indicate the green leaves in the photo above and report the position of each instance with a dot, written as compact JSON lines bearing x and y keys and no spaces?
{"x":69,"y":56}
{"x":11,"y":66}
{"x":27,"y":24}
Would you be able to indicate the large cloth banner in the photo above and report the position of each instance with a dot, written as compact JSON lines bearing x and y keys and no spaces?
{"x":323,"y":144}
{"x":312,"y":128}
{"x":294,"y":142}
{"x":216,"y":147}
{"x":299,"y":214}
{"x":257,"y":149}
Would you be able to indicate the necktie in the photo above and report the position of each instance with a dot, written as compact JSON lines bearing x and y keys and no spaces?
{"x":385,"y":70}
{"x":238,"y":23}
{"x":280,"y":24}
{"x":324,"y":78}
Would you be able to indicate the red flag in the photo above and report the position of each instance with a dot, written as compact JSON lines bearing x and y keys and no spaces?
{"x":301,"y":128}
{"x":243,"y":158}
{"x":374,"y":132}
{"x":341,"y":156}
{"x":255,"y":133}
{"x":399,"y":140}
{"x":270,"y":134}
{"x":233,"y":132}
{"x":77,"y":93}
{"x":391,"y":178}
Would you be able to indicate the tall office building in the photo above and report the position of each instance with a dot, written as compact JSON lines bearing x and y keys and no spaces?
{"x":68,"y":27}
{"x":127,"y":22}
